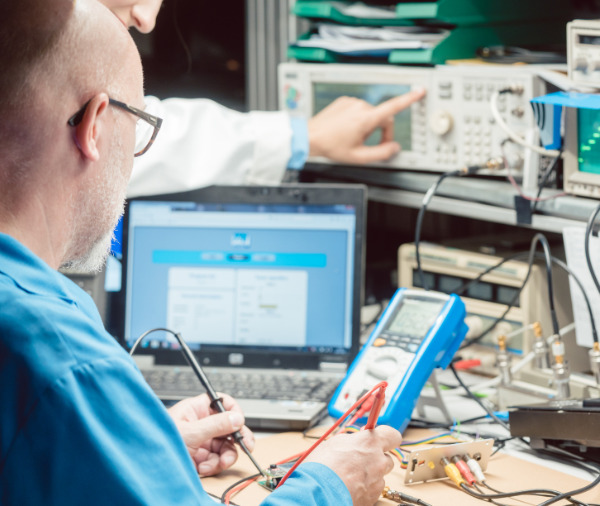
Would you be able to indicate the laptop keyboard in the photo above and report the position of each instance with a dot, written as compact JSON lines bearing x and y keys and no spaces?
{"x":288,"y":385}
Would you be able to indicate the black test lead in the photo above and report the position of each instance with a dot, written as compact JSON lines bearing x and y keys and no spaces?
{"x":216,"y":401}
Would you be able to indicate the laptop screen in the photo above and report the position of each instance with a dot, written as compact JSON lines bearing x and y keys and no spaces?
{"x":258,"y":273}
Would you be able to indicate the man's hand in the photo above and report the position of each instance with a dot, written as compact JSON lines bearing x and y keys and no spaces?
{"x":204,"y":432}
{"x":359,"y":460}
{"x":339,"y":131}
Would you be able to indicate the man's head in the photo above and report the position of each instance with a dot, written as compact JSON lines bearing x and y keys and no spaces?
{"x":140,"y":14}
{"x":67,"y":181}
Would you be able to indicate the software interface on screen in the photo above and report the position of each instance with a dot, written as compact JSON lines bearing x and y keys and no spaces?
{"x":325,"y":93}
{"x":277,"y":276}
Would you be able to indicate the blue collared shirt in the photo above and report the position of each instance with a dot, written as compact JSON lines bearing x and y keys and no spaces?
{"x":78,"y":423}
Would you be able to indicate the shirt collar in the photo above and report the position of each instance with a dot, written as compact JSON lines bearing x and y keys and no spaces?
{"x":29,"y":271}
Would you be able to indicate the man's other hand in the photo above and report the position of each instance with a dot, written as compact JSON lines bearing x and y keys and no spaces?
{"x":359,"y":460}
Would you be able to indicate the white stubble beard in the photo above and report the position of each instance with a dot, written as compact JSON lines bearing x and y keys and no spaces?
{"x":99,"y":208}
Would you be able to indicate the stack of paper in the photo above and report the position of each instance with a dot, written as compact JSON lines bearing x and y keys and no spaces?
{"x":373,"y":41}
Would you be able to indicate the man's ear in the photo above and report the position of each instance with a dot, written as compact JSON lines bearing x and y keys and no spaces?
{"x":89,"y":130}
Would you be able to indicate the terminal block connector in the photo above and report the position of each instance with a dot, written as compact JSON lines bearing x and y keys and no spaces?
{"x":594,"y":355}
{"x":503,"y":361}
{"x":540,"y":348}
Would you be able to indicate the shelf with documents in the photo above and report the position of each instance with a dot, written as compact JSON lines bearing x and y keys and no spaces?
{"x":469,"y":197}
{"x":459,"y":43}
{"x":468,"y":25}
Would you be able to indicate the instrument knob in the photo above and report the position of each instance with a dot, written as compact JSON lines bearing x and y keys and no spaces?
{"x":441,"y":122}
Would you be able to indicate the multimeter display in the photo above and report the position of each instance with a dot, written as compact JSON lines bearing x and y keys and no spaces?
{"x":418,"y":331}
{"x":414,"y":318}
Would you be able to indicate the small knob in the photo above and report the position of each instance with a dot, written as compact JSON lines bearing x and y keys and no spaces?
{"x":441,"y":122}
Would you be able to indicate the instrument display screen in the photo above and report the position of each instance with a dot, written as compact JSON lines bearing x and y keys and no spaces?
{"x":588,"y":126}
{"x":325,"y":93}
{"x":415,"y":317}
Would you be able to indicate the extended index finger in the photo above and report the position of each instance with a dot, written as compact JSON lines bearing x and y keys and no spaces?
{"x":394,"y":105}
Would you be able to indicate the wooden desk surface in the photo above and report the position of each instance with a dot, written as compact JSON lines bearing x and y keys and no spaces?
{"x":504,"y":472}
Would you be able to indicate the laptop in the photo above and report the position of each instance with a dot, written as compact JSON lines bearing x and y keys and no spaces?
{"x":263,"y":283}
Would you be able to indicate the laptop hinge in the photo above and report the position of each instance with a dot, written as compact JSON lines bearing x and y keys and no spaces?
{"x":144,"y":361}
{"x":333,"y":367}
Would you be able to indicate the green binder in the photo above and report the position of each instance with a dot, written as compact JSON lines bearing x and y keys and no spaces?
{"x":330,"y":11}
{"x":453,"y":12}
{"x":478,"y":12}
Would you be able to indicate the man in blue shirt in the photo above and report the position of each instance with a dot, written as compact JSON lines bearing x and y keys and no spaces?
{"x":78,"y":424}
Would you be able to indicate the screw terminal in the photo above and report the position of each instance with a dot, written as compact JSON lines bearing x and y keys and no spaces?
{"x":502,"y":342}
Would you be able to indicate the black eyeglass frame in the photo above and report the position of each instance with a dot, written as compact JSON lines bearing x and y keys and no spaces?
{"x":153,"y":121}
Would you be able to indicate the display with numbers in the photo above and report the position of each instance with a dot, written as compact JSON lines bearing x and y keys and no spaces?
{"x":419,"y":331}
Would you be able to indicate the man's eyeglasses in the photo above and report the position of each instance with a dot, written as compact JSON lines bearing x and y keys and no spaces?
{"x":146,"y":127}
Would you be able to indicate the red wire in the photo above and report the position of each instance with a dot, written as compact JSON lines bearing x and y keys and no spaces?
{"x":367,"y":402}
{"x":242,"y":486}
{"x":516,"y":186}
{"x":366,"y":406}
{"x":380,"y":386}
{"x":377,"y":405}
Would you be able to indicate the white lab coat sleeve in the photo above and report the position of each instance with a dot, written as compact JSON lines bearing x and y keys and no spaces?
{"x":202,"y":143}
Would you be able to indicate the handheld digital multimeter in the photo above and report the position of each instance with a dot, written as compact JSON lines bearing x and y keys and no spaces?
{"x":418,"y":331}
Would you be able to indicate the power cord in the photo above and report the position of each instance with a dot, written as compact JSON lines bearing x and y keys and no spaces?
{"x":544,"y":180}
{"x":477,"y":399}
{"x":541,"y":239}
{"x":533,"y":491}
{"x":225,"y":495}
{"x":513,"y":301}
{"x":513,"y":136}
{"x":588,"y":233}
{"x":427,"y":199}
{"x":538,"y":238}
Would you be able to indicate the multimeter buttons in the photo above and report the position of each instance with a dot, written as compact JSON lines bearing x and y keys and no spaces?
{"x":383,"y":363}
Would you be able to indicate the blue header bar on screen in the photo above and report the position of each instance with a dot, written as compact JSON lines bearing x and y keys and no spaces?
{"x":236,"y":258}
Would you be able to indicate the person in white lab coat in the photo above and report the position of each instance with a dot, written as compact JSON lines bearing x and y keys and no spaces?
{"x":204,"y":143}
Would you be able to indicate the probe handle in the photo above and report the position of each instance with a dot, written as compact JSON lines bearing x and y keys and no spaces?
{"x":216,"y":401}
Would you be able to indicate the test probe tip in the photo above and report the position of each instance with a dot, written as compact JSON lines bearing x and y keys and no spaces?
{"x":239,"y":440}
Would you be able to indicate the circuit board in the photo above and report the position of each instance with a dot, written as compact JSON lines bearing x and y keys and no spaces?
{"x":274,"y":474}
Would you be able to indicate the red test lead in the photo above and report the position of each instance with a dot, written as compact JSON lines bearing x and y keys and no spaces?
{"x":377,"y":405}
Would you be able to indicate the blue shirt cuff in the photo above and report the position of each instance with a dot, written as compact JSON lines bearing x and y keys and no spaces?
{"x":299,"y":143}
{"x":312,"y":484}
